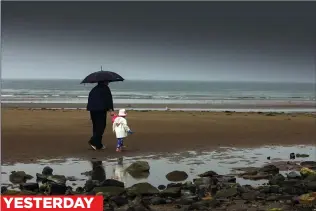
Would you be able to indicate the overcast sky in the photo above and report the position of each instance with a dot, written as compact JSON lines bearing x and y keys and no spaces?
{"x":160,"y":40}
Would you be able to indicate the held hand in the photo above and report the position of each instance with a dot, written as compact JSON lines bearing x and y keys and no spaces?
{"x":130,"y":132}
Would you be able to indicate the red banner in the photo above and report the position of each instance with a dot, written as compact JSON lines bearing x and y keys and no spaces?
{"x":47,"y":203}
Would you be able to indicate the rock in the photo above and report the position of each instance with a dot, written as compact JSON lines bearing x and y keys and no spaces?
{"x":172,"y":185}
{"x":138,"y":204}
{"x":277,"y":206}
{"x":277,"y":179}
{"x":292,"y":190}
{"x":293,"y":175}
{"x":308,"y":164}
{"x":12,"y":192}
{"x":32,"y":186}
{"x":302,"y":155}
{"x":203,"y":205}
{"x":41,"y":177}
{"x":161,"y":187}
{"x":3,"y":189}
{"x":227,"y":193}
{"x":307,"y":199}
{"x":305,"y":172}
{"x":157,"y":201}
{"x":260,"y":176}
{"x":250,"y":172}
{"x":142,"y":189}
{"x":250,"y":196}
{"x":198,"y":206}
{"x":275,"y":189}
{"x":291,"y":182}
{"x":310,"y":178}
{"x":139,"y":175}
{"x":176,"y":176}
{"x":119,"y":200}
{"x":72,"y":178}
{"x":138,"y":167}
{"x":87,"y":173}
{"x":109,"y":191}
{"x":18,"y":177}
{"x":79,"y":189}
{"x":226,"y":179}
{"x":173,"y":192}
{"x":203,"y":181}
{"x":47,"y":171}
{"x":57,"y":189}
{"x":189,"y":186}
{"x":202,"y":190}
{"x":111,"y":207}
{"x":43,"y":188}
{"x":112,"y":182}
{"x":269,"y":169}
{"x":244,"y":189}
{"x":186,"y":200}
{"x":59,"y":179}
{"x":272,"y":198}
{"x":311,"y":186}
{"x":208,"y":174}
{"x":90,"y":184}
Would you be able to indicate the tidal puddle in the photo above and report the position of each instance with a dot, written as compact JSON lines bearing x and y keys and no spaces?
{"x":223,"y":161}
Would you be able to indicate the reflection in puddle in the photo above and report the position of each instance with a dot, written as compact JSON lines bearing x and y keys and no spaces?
{"x":222,"y":161}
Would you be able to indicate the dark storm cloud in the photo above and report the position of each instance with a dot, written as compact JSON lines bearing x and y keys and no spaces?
{"x":186,"y":40}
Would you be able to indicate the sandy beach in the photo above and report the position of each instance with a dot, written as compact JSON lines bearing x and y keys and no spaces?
{"x":29,"y":134}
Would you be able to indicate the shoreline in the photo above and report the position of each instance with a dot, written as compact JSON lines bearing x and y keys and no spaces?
{"x":141,"y":155}
{"x":269,"y":107}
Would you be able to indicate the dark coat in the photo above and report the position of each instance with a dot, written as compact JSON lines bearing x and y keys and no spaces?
{"x":100,"y":98}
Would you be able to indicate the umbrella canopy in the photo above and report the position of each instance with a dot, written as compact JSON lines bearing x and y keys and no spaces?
{"x":102,"y":75}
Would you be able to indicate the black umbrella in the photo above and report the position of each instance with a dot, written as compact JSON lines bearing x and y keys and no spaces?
{"x":102,"y":76}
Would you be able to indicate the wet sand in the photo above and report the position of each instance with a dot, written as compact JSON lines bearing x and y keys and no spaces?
{"x":228,"y":105}
{"x":224,"y":161}
{"x":226,"y":166}
{"x":28,"y":135}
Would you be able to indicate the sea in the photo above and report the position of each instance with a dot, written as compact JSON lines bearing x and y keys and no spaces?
{"x":159,"y":92}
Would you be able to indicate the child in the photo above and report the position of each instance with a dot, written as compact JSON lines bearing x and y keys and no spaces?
{"x":121,"y":129}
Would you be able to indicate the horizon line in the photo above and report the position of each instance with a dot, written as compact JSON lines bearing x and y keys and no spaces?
{"x":167,"y":80}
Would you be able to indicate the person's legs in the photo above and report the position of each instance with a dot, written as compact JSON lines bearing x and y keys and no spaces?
{"x":119,"y":144}
{"x":104,"y":114}
{"x":93,"y":120}
{"x":99,"y":130}
{"x":93,"y":117}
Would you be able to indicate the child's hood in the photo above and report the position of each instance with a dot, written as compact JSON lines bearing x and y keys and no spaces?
{"x":119,"y":120}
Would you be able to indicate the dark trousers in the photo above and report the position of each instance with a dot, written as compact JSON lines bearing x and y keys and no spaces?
{"x":98,"y":119}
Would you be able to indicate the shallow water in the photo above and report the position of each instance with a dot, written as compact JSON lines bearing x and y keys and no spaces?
{"x":222,"y":161}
